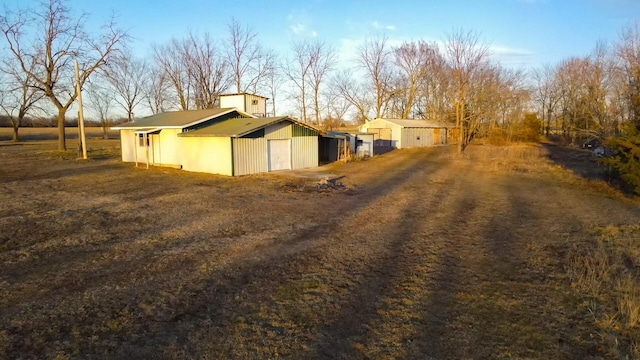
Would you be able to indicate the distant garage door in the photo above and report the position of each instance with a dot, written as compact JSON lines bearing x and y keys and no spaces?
{"x":279,"y":154}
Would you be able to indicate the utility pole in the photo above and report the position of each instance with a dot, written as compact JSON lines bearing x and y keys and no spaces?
{"x":83,"y":140}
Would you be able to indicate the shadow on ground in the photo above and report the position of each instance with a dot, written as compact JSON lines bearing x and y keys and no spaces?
{"x":580,"y":161}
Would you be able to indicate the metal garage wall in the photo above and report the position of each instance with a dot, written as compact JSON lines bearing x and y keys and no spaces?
{"x":417,"y":137}
{"x":304,"y":152}
{"x":278,"y":131}
{"x":250,"y":156}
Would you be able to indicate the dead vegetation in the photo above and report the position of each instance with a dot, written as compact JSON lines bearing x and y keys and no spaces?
{"x":605,"y":268}
{"x":424,"y":255}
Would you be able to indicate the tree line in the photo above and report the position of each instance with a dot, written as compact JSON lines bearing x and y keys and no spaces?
{"x":457,"y":82}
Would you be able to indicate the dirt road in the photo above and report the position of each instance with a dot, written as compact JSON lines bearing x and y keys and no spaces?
{"x":427,"y":256}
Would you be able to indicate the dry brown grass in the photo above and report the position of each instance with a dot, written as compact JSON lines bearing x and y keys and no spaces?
{"x":606,"y":269}
{"x":429,"y":255}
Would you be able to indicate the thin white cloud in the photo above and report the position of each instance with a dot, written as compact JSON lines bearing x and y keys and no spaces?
{"x":510,"y":52}
{"x":300,"y":23}
{"x":376,"y":25}
{"x":297,"y":28}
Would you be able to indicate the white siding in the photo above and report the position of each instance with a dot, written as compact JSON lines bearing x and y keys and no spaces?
{"x":396,"y":130}
{"x":279,"y":152}
{"x":304,"y":152}
{"x":232,"y":101}
{"x":168,"y":147}
{"x":249,"y":103}
{"x":131,"y":148}
{"x":417,"y":137}
{"x":206,"y":154}
{"x":255,"y":105}
{"x":128,"y":143}
{"x":249,"y":156}
{"x":366,"y":148}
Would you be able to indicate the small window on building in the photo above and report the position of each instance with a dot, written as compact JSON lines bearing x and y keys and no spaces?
{"x":359,"y":142}
{"x":143,"y":140}
{"x":254,"y":102}
{"x":417,"y":137}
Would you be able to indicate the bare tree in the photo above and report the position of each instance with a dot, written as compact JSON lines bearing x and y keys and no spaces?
{"x":297,"y":69}
{"x":322,"y":59}
{"x":170,"y":60}
{"x":415,"y":60}
{"x":156,"y":91}
{"x":208,"y":71}
{"x":18,"y":96}
{"x":374,"y":59}
{"x":467,"y":57}
{"x":434,"y":99}
{"x":338,"y":105}
{"x":628,"y":53}
{"x":250,"y":63}
{"x":354,"y":92}
{"x":272,"y":85}
{"x":50,"y":38}
{"x":546,"y":94}
{"x":196,"y":69}
{"x":101,"y":101}
{"x":128,"y":77}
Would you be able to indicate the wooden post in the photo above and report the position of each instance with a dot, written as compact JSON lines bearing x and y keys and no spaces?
{"x":136,"y":141}
{"x":83,"y":140}
{"x":146,"y":145}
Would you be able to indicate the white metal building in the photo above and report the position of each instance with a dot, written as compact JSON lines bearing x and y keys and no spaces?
{"x":403,"y":133}
{"x":255,"y":105}
{"x":249,"y":146}
{"x":153,"y":140}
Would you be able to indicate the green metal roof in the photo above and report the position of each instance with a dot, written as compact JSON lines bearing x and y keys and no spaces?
{"x":176,"y":119}
{"x":241,"y":126}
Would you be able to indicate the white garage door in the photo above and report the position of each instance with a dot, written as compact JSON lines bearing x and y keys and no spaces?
{"x":279,"y":155}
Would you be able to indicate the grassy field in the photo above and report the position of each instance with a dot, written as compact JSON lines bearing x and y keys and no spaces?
{"x":37,"y":134}
{"x":505,"y":252}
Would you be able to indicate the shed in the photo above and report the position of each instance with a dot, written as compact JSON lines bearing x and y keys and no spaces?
{"x":249,"y":146}
{"x":332,"y":147}
{"x":362,"y":144}
{"x":405,"y":133}
{"x":253,"y":104}
{"x":359,"y":145}
{"x":154,"y":139}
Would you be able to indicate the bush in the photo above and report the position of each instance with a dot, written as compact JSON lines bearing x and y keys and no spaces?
{"x":530,"y":129}
{"x":626,"y":161}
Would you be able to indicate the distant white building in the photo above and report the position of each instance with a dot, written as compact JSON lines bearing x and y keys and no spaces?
{"x":404,"y":133}
{"x":255,"y":105}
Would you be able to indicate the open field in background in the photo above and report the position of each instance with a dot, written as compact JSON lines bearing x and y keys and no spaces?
{"x":51,"y":133}
{"x":427,"y":255}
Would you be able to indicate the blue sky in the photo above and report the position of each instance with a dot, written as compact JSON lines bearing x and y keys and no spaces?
{"x":523,"y":33}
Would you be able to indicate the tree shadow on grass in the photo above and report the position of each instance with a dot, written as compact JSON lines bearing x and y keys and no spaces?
{"x":192,"y":302}
{"x":580,"y":161}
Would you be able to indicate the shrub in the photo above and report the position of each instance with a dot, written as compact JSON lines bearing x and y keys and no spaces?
{"x":626,"y":161}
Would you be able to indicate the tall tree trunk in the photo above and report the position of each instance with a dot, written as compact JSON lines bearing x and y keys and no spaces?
{"x":62,"y":144}
{"x":15,"y":132}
